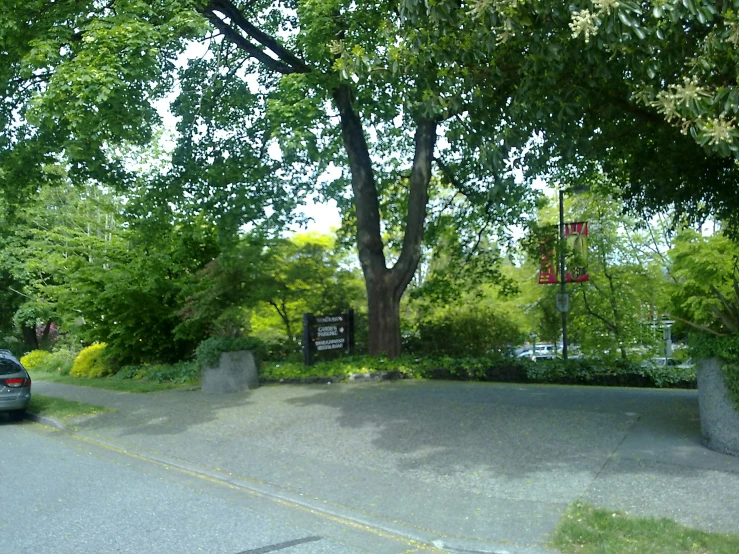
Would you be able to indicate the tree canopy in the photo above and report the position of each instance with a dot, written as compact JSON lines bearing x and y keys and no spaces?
{"x":364,"y":102}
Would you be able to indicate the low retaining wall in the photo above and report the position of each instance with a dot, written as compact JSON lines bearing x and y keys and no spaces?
{"x":719,"y":417}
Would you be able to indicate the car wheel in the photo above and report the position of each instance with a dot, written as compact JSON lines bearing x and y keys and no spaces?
{"x":17,"y":415}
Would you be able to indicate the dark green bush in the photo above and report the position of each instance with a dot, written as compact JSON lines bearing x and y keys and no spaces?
{"x":209,"y":351}
{"x":464,"y":333}
{"x":492,"y":367}
{"x":179,"y":373}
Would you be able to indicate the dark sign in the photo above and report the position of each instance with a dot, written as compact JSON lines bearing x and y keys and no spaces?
{"x":326,"y":333}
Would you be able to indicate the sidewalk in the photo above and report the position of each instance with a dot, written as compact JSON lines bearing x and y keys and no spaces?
{"x":474,"y":466}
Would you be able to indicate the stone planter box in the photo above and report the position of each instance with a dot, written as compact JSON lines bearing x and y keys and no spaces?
{"x":719,"y":418}
{"x":235,"y":372}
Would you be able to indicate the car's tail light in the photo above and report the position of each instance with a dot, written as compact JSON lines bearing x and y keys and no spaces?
{"x":16,"y":382}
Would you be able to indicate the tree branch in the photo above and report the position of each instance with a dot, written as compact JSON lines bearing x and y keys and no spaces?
{"x":248,"y":47}
{"x":369,"y":237}
{"x":287,"y":62}
{"x":451,"y":177}
{"x":589,"y":310}
{"x":410,"y":255}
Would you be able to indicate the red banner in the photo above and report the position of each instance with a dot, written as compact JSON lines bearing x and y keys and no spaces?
{"x":576,"y":255}
{"x":548,"y":260}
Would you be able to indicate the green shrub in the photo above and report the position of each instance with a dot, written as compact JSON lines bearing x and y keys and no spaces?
{"x":91,"y":362}
{"x":491,"y":367}
{"x":209,"y":351}
{"x":282,"y":349}
{"x":59,"y":361}
{"x":722,"y":341}
{"x":179,"y":373}
{"x":463,"y":332}
{"x":34,"y":358}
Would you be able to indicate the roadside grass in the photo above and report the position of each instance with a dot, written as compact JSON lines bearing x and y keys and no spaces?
{"x":61,"y":409}
{"x":587,"y":530}
{"x":109,"y":383}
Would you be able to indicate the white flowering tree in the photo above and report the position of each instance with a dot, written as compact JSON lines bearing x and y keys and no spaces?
{"x":643,"y":91}
{"x":683,"y":57}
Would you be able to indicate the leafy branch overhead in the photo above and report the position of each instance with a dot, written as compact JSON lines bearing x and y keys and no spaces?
{"x":727,"y":314}
{"x":363,"y":103}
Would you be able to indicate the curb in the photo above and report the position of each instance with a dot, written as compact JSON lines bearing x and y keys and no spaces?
{"x":350,"y":378}
{"x":48,"y":421}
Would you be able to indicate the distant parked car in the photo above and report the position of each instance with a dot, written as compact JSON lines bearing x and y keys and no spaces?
{"x":15,"y":386}
{"x":544,"y":357}
{"x":662,"y":362}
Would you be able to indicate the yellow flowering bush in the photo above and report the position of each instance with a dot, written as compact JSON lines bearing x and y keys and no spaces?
{"x":34,"y":358}
{"x":90,"y":362}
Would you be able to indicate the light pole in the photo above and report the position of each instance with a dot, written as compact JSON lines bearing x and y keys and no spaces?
{"x":565,"y":302}
{"x":562,"y":276}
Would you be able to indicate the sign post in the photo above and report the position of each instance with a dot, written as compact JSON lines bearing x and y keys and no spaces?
{"x":327,"y":333}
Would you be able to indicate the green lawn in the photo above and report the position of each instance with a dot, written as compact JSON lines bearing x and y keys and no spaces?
{"x":109,"y":383}
{"x":62,"y":409}
{"x":587,"y":530}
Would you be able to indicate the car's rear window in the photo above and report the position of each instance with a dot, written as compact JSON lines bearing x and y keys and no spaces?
{"x":8,"y":366}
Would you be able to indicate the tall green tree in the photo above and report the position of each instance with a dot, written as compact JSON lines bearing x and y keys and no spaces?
{"x":268,"y":279}
{"x":85,"y":265}
{"x":628,"y":286}
{"x":367,"y":86}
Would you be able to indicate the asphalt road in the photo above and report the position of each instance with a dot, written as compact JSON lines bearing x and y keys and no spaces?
{"x":63,"y":494}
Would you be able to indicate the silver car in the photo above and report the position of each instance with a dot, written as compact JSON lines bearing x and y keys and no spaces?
{"x":15,"y":386}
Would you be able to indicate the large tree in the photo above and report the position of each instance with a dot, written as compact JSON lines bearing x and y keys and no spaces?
{"x":645,"y":91}
{"x":366,"y":86}
{"x":80,"y":262}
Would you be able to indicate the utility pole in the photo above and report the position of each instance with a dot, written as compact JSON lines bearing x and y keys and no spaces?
{"x":562,"y":276}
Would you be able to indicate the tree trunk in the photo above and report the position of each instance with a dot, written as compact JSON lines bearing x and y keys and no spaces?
{"x":46,"y":333}
{"x":385,"y":286}
{"x":384,"y":316}
{"x":29,"y":337}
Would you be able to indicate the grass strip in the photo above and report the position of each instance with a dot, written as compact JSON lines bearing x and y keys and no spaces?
{"x":585,"y":530}
{"x":61,"y":409}
{"x":108,"y":383}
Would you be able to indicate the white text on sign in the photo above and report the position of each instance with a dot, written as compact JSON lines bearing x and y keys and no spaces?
{"x":327,"y":331}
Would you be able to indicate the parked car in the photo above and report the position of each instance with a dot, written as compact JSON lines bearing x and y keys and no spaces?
{"x":661,"y":362}
{"x":15,"y":386}
{"x":666,"y":362}
{"x":544,"y":357}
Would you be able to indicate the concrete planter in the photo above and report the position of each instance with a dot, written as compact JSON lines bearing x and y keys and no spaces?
{"x":719,"y":417}
{"x":235,"y":372}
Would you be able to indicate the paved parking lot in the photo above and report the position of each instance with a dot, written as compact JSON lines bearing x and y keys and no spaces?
{"x":459,"y":463}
